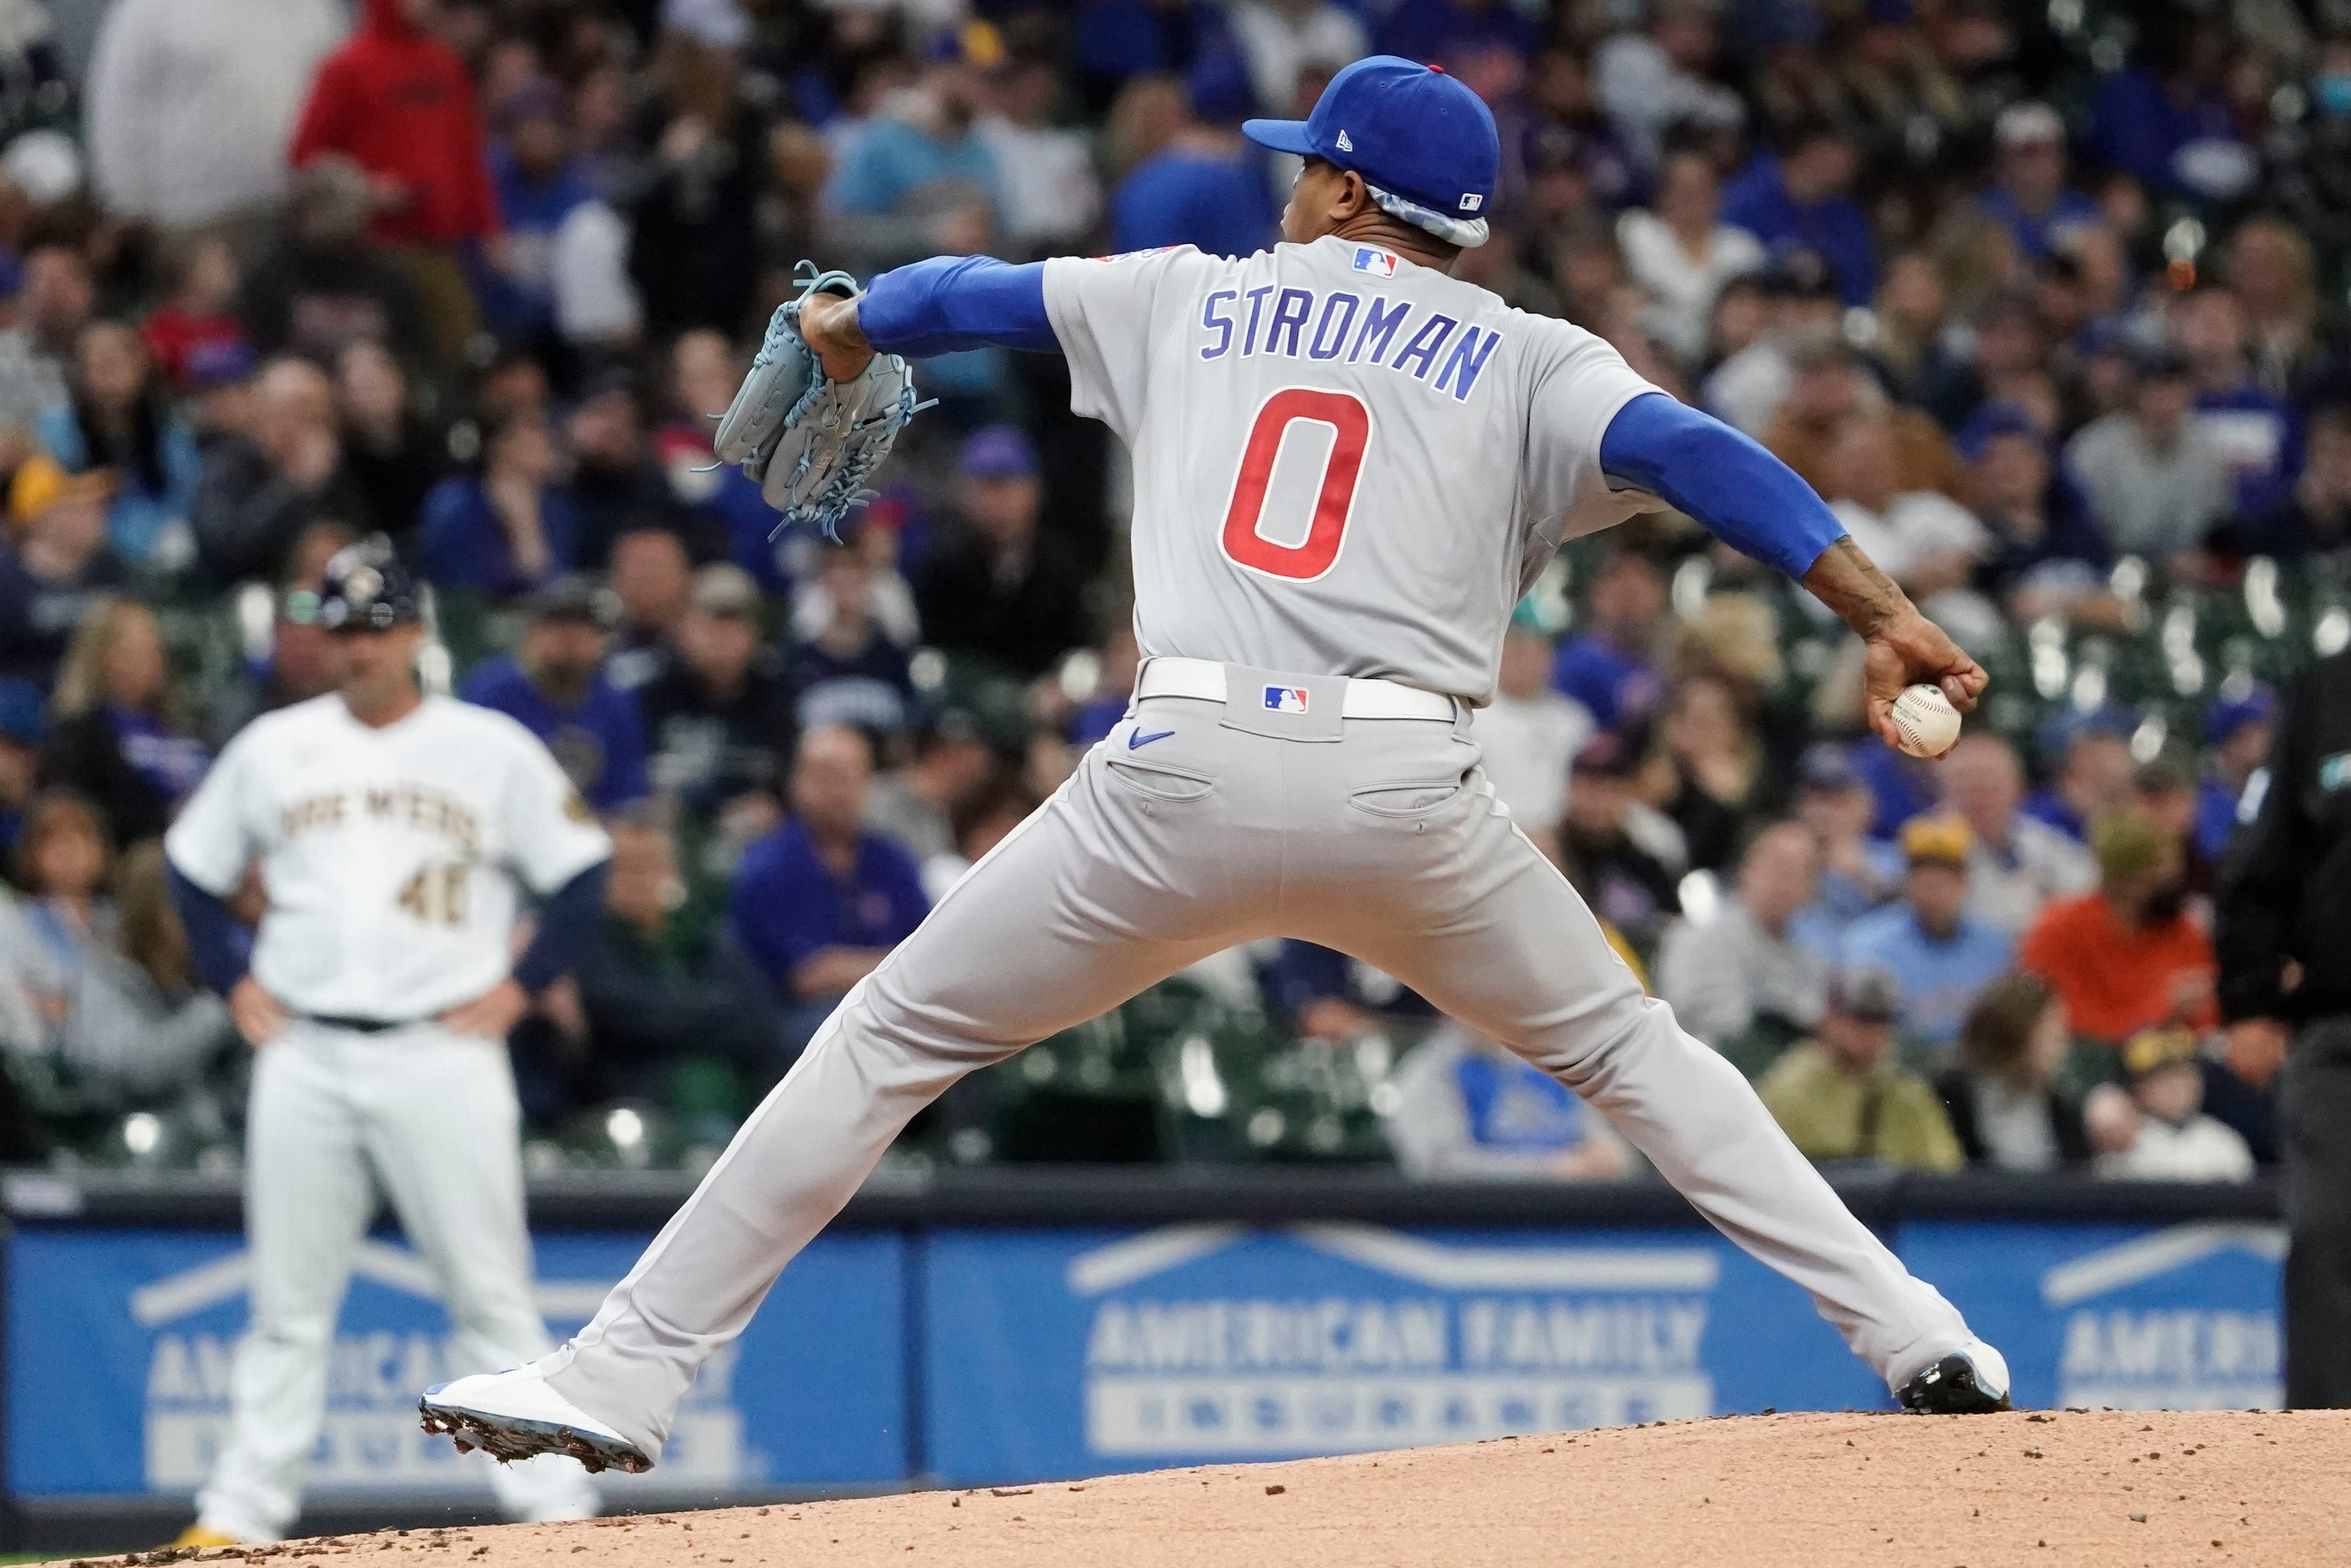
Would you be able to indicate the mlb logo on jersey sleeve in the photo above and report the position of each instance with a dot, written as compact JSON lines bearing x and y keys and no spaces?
{"x":1378,"y":263}
{"x":1285,"y":699}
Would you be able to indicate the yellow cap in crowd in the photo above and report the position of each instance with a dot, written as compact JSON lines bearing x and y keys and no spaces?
{"x":41,"y":483}
{"x":1936,"y":840}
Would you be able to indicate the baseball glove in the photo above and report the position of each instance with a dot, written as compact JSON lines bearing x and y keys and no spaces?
{"x":810,"y":442}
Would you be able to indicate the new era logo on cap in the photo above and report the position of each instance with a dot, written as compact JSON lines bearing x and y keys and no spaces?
{"x":1379,"y":263}
{"x":1345,"y":145}
{"x":1285,"y":699}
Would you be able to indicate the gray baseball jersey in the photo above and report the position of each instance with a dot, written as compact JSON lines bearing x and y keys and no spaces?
{"x":1345,"y":464}
{"x":1299,"y":421}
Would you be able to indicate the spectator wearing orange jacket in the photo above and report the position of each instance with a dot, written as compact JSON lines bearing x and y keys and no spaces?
{"x":397,"y":101}
{"x":2125,"y":958}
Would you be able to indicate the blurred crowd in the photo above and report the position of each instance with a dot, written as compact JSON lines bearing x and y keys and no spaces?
{"x":2047,"y":301}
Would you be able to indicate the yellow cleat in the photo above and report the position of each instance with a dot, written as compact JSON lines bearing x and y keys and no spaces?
{"x":197,"y":1535}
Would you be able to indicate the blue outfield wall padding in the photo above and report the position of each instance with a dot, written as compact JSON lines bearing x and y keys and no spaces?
{"x":1022,"y":1326}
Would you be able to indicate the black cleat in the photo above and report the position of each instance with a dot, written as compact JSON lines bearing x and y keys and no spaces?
{"x":1971,"y":1381}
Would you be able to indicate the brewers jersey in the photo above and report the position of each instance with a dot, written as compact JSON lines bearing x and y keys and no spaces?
{"x":391,"y":855}
{"x":1315,"y":429}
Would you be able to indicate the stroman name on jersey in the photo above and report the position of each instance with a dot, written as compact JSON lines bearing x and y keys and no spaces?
{"x":418,"y":806}
{"x":1431,"y":348}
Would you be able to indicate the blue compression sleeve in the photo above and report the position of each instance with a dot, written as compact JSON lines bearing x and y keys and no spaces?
{"x":566,"y":920}
{"x":1745,"y":496}
{"x":219,"y":945}
{"x":955,"y":302}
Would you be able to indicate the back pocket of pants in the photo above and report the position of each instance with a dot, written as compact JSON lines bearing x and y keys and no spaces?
{"x":1157,"y":781}
{"x":1403,"y":799}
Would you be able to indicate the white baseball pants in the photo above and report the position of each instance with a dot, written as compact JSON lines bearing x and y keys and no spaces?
{"x":432,"y":1117}
{"x":1195,"y":826}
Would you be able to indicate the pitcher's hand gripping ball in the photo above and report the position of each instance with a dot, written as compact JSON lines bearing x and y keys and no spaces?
{"x":812,"y":443}
{"x":1926,"y":720}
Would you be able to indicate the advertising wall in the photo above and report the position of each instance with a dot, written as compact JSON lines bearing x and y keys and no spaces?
{"x":993,"y":1353}
{"x":1057,"y":1354}
{"x":2177,"y":1317}
{"x":121,"y":1345}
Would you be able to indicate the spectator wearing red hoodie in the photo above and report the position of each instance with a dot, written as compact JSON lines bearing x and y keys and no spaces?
{"x":396,"y":102}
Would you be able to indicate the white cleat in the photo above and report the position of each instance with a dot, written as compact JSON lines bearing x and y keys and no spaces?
{"x":1969,"y":1381}
{"x":514,"y":1415}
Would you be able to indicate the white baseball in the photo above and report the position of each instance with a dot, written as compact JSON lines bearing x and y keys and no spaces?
{"x":1926,"y":720}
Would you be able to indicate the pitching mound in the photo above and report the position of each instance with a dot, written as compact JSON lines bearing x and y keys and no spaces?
{"x":1812,"y":1491}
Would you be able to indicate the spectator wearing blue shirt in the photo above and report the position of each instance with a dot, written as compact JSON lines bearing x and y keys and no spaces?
{"x":1326,"y":995}
{"x":1938,"y":955}
{"x":1903,"y":786}
{"x":55,"y":566}
{"x":556,"y":689}
{"x":2009,"y":362}
{"x":2237,"y":733}
{"x":1611,"y":666}
{"x":507,"y":530}
{"x":1207,"y":186}
{"x":2314,"y":516}
{"x":918,"y":180}
{"x":2257,"y":431}
{"x":2045,"y":552}
{"x":115,"y":738}
{"x":2091,"y":761}
{"x":822,"y":900}
{"x":539,"y":182}
{"x":1117,"y":39}
{"x":2029,"y":194}
{"x":118,"y":420}
{"x":2164,"y":120}
{"x":1796,"y":198}
{"x":1432,"y":31}
{"x":1858,"y":873}
{"x":1470,"y":1107}
{"x":24,"y":729}
{"x":843,"y":668}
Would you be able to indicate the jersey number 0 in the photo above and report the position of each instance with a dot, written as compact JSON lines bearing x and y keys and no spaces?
{"x":1334,"y":498}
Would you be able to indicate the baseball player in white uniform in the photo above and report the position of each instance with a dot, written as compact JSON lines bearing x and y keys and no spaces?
{"x":392,"y":830}
{"x":1349,"y":467}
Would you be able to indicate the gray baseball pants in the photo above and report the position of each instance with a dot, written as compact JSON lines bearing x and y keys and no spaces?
{"x":1380,"y":838}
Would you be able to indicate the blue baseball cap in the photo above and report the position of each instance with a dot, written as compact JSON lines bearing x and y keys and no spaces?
{"x":1421,"y":139}
{"x":2068,"y":726}
{"x":997,"y":452}
{"x":1992,"y":419}
{"x":21,"y":718}
{"x":1828,"y":766}
{"x":2224,"y":719}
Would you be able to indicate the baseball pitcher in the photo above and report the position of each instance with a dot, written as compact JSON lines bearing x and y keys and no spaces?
{"x":1349,"y":467}
{"x":392,"y":830}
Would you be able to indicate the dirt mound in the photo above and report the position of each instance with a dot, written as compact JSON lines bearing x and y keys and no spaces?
{"x":1819,"y":1491}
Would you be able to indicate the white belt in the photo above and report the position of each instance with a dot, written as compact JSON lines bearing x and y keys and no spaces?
{"x":1204,"y":679}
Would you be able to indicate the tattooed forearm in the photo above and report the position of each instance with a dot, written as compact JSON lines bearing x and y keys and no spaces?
{"x":1849,"y":582}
